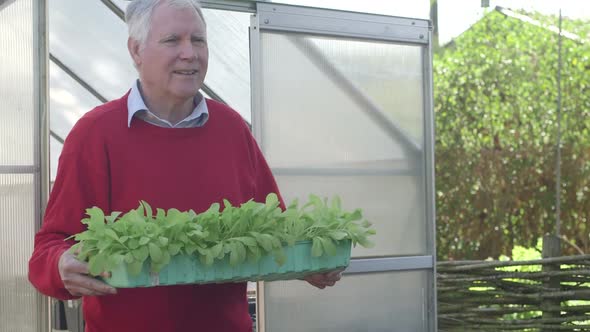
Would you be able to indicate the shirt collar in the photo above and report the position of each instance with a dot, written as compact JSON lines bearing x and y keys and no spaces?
{"x":135,"y":104}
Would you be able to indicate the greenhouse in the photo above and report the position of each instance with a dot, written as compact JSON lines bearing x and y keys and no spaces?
{"x":334,"y":106}
{"x":340,"y":103}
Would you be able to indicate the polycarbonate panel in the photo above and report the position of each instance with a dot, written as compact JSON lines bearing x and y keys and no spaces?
{"x":229,"y":60}
{"x":390,"y":75}
{"x":111,"y":71}
{"x":334,"y":102}
{"x":381,"y":302}
{"x":88,"y":38}
{"x":122,"y":4}
{"x":17,"y":102}
{"x":393,"y":204}
{"x":55,"y":148}
{"x":348,"y":121}
{"x":69,"y":101}
{"x":18,"y":299}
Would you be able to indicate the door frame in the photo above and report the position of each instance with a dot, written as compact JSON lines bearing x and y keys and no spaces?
{"x":336,"y":23}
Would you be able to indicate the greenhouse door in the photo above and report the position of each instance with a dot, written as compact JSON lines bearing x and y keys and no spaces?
{"x":22,"y":193}
{"x":342,"y":105}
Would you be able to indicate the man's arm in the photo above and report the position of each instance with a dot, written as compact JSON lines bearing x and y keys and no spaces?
{"x":82,"y":182}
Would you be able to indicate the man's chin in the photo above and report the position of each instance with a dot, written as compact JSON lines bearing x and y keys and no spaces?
{"x":186,"y":93}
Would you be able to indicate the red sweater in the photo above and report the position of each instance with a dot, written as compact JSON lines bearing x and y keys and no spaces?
{"x":104,"y":163}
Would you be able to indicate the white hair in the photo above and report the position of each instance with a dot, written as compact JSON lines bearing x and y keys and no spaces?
{"x":139,"y":15}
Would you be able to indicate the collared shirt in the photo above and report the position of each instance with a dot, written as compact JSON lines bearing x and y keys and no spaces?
{"x":136,"y":107}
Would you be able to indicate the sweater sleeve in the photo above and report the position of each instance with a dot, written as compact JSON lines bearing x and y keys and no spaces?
{"x":81,"y":182}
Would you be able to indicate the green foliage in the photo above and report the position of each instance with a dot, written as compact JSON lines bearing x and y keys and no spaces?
{"x":495,"y":103}
{"x":240,"y":233}
{"x":520,"y":253}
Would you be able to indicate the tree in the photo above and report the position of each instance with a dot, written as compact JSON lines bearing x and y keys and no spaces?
{"x":495,"y":93}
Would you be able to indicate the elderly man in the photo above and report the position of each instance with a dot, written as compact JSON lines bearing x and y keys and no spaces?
{"x":164,"y":143}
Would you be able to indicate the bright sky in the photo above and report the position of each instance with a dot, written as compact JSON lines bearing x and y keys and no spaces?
{"x":455,"y":16}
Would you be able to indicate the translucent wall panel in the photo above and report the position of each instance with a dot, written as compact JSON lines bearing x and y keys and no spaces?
{"x":92,"y":42}
{"x":98,"y":53}
{"x":358,"y":303}
{"x":389,"y":75}
{"x":18,"y":299}
{"x":344,"y":102}
{"x":391,"y":203}
{"x":229,"y":60}
{"x":55,"y":148}
{"x":69,"y":101}
{"x":122,"y":4}
{"x":16,"y":84}
{"x":345,"y":117}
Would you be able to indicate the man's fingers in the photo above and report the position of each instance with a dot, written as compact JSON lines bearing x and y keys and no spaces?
{"x":78,"y":249}
{"x":69,"y":263}
{"x":97,"y":286}
{"x":74,"y":265}
{"x":322,"y":280}
{"x":311,"y":279}
{"x":315,"y":284}
{"x":334,"y":275}
{"x":87,"y":285}
{"x":74,"y":275}
{"x":82,"y":291}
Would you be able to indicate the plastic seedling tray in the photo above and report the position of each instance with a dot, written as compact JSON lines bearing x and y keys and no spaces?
{"x":185,"y":269}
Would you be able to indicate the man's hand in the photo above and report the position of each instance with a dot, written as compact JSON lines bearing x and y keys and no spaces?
{"x":321,"y":280}
{"x":74,"y":275}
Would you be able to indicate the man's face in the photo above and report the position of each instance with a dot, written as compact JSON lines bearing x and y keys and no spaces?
{"x":173,"y":62}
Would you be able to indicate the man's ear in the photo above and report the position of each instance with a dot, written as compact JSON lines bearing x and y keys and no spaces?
{"x":133,"y":46}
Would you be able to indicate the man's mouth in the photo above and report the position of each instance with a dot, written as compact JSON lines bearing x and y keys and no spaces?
{"x":186,"y":72}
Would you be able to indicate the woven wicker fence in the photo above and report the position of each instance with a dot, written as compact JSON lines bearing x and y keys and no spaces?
{"x":550,"y":294}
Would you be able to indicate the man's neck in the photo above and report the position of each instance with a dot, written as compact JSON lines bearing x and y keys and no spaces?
{"x":171,"y":110}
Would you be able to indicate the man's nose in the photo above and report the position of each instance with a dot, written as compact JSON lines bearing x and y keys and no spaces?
{"x":187,"y":51}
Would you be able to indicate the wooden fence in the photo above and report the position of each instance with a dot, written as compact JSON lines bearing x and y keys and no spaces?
{"x":551,"y":294}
